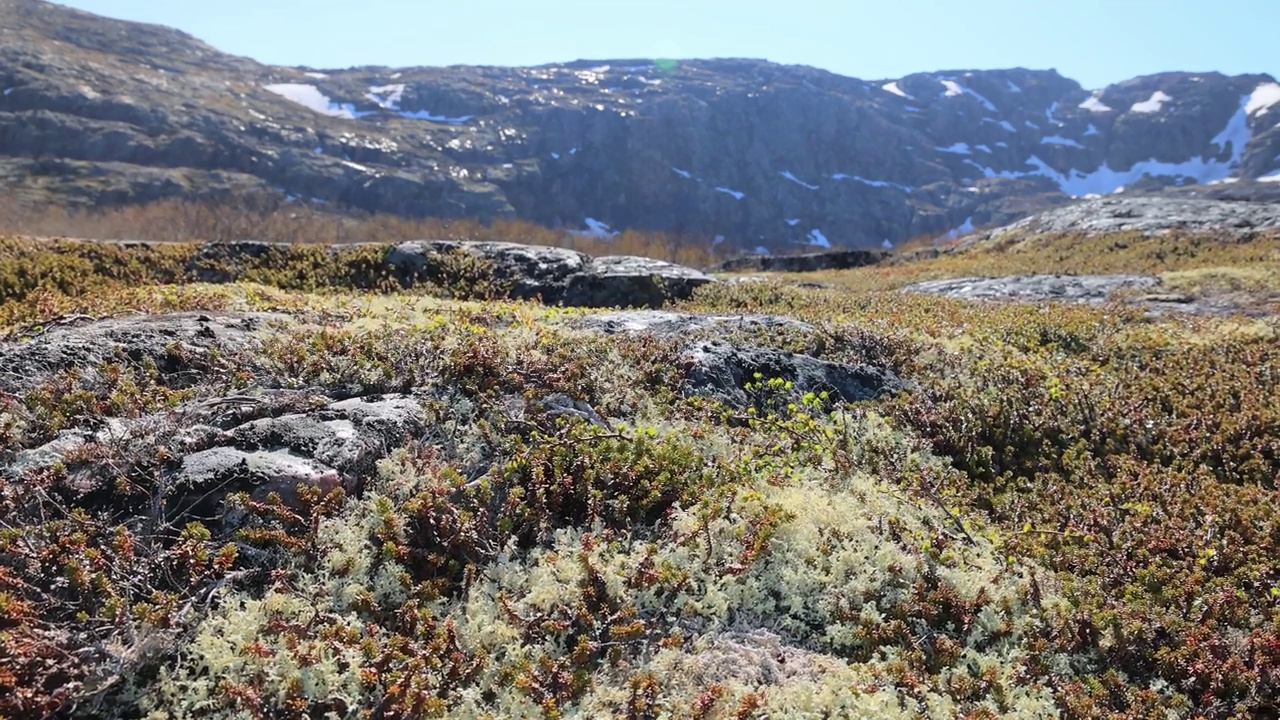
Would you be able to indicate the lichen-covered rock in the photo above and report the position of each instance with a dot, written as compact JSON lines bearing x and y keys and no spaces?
{"x":1147,"y":215}
{"x":235,"y":444}
{"x":626,"y":281}
{"x":1064,"y":288}
{"x":173,"y":342}
{"x":720,"y":363}
{"x":667,"y":323}
{"x":722,"y":371}
{"x":533,"y":271}
{"x":556,"y":276}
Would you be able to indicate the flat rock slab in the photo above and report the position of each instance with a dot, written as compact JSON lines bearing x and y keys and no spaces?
{"x":1151,"y":215}
{"x":84,"y":343}
{"x":666,"y":323}
{"x":558,"y":276}
{"x":1063,"y":288}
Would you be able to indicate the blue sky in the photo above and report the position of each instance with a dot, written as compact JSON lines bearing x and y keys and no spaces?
{"x":1094,"y":41}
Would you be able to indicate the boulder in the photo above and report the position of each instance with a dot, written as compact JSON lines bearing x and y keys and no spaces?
{"x":722,"y":371}
{"x":556,"y":276}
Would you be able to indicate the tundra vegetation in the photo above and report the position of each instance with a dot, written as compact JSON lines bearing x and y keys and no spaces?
{"x":1071,"y":510}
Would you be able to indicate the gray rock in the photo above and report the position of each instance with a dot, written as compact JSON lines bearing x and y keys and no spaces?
{"x":562,"y":405}
{"x":62,"y":447}
{"x":662,"y":322}
{"x":721,"y":371}
{"x":349,"y":436}
{"x":557,"y":276}
{"x":626,"y":281}
{"x":205,"y":478}
{"x":1064,"y":288}
{"x":533,"y":270}
{"x":176,"y":343}
{"x":1147,"y":215}
{"x":335,"y":445}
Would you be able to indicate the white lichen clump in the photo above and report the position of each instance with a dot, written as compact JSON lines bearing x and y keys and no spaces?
{"x":795,"y":627}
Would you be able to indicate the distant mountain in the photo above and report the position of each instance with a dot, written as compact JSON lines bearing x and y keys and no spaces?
{"x":94,"y":110}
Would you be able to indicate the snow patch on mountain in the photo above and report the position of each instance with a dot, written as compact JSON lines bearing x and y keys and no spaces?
{"x":1059,"y":140}
{"x":955,"y":89}
{"x":1104,"y":180}
{"x":737,"y":195}
{"x":428,"y":115}
{"x":386,"y":96}
{"x":963,"y":229}
{"x":1053,"y":108}
{"x":872,"y":183}
{"x":957,"y":148}
{"x":892,"y":87}
{"x":1095,"y":104}
{"x":1262,"y":98}
{"x":595,"y":229}
{"x":787,"y":174}
{"x":310,"y":97}
{"x":683,"y":173}
{"x":1013,"y":87}
{"x":817,"y":238}
{"x":1152,"y":104}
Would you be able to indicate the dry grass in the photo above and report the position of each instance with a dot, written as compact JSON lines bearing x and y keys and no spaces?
{"x":278,"y":221}
{"x":1196,"y":264}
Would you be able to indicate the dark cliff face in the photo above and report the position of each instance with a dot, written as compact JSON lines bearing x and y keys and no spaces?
{"x":96,"y":110}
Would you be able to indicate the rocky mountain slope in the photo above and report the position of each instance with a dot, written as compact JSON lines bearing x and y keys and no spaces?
{"x":101,"y":111}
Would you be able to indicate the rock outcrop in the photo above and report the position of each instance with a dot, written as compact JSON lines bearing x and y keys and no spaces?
{"x":1149,"y":215}
{"x":1146,"y":292}
{"x":558,"y":276}
{"x":763,"y":155}
{"x":1064,"y":288}
{"x":732,"y":371}
{"x":175,"y":345}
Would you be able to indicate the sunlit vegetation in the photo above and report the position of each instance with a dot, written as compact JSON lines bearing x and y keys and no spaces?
{"x":1073,"y":511}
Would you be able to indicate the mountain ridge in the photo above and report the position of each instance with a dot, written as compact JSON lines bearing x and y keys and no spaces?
{"x":755,"y":153}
